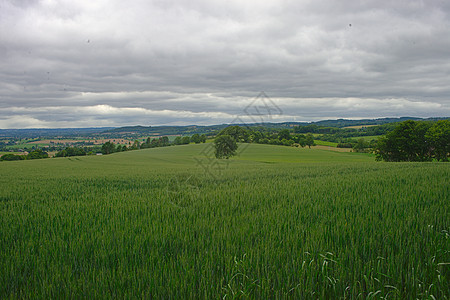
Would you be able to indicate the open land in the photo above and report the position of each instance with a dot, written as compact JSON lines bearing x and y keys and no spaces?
{"x":273,"y":222}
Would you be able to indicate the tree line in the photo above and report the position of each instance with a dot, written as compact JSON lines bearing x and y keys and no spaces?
{"x":109,"y":147}
{"x":35,"y":154}
{"x":225,"y":143}
{"x":261,"y":136}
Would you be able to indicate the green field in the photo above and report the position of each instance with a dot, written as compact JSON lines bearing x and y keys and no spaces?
{"x":370,"y":137}
{"x":273,"y":222}
{"x":325,"y":143}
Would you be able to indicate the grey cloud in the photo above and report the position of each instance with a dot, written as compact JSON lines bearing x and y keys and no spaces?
{"x":214,"y":56}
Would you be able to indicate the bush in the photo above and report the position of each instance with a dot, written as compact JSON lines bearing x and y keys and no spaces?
{"x":11,"y":157}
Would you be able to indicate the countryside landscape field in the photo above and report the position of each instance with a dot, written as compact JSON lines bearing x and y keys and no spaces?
{"x":273,"y":222}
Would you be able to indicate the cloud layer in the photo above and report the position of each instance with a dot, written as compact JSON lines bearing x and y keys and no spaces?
{"x":114,"y":63}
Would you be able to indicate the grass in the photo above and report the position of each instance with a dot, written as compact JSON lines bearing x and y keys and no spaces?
{"x":371,"y":137}
{"x":325,"y":143}
{"x":274,"y":222}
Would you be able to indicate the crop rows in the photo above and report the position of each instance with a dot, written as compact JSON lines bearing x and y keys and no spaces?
{"x":337,"y":230}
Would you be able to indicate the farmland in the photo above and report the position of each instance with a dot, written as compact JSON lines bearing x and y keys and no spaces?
{"x":273,"y":222}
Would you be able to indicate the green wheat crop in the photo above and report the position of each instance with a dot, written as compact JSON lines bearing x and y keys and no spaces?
{"x":277,"y":222}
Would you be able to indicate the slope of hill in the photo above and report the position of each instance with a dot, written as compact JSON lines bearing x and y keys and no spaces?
{"x":275,"y":222}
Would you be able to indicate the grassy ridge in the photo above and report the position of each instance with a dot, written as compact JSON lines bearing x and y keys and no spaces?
{"x":276,"y":222}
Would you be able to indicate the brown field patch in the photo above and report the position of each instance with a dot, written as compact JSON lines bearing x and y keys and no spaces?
{"x":360,"y":126}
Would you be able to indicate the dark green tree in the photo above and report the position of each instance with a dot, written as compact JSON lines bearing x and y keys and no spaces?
{"x":177,"y":140}
{"x":309,"y":140}
{"x":196,"y":138}
{"x":284,"y":134}
{"x":438,"y":137}
{"x":71,"y":151}
{"x":239,"y":134}
{"x":225,"y":146}
{"x":136,"y":145}
{"x":185,"y":140}
{"x":37,"y":154}
{"x":108,"y":148}
{"x":11,"y":157}
{"x":360,"y":146}
{"x":203,"y":138}
{"x":406,"y":142}
{"x":164,"y":141}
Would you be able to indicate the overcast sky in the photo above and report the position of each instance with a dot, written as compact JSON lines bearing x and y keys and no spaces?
{"x":99,"y":63}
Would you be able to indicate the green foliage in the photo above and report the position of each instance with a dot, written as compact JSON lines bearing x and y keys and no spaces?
{"x":309,"y":140}
{"x":438,"y":137}
{"x":203,"y":138}
{"x":177,"y":140}
{"x":360,"y":146}
{"x":196,"y":138}
{"x":37,"y":154}
{"x":71,"y":151}
{"x":136,"y":145}
{"x":11,"y":157}
{"x":284,"y":134}
{"x":121,"y":148}
{"x":279,"y":223}
{"x":415,"y":141}
{"x":185,"y":140}
{"x":108,"y":148}
{"x":162,"y":141}
{"x":225,"y":146}
{"x":238,"y":133}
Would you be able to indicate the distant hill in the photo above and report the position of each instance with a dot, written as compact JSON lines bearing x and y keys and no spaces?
{"x":139,"y":131}
{"x":51,"y":132}
{"x":192,"y":129}
{"x":345,"y":122}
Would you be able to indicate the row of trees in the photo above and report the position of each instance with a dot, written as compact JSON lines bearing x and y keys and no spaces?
{"x":109,"y":147}
{"x":416,"y":141}
{"x":226,"y":141}
{"x":334,"y":134}
{"x":196,"y":138}
{"x":283,"y":137}
{"x":35,"y":154}
{"x":71,"y":151}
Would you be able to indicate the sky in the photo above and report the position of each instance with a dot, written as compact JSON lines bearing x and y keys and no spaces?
{"x":117,"y":63}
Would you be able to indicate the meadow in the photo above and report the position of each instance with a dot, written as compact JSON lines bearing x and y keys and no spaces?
{"x":273,"y":222}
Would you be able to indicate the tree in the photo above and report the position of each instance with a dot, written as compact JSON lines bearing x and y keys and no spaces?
{"x":225,"y":146}
{"x":438,"y":137}
{"x":406,"y":142}
{"x":164,"y":141}
{"x":177,"y":140}
{"x":196,"y":138}
{"x":71,"y":151}
{"x":185,"y":140}
{"x":309,"y":140}
{"x":136,"y":145}
{"x":238,"y":133}
{"x":108,"y":148}
{"x":287,"y":142}
{"x":11,"y":157}
{"x":203,"y":138}
{"x":37,"y":154}
{"x":284,"y":134}
{"x":360,"y":146}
